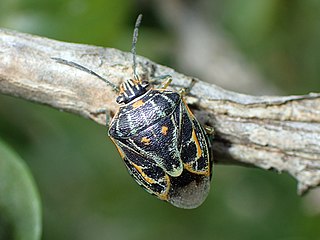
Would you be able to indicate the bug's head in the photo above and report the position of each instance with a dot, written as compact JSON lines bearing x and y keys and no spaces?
{"x":131,"y":89}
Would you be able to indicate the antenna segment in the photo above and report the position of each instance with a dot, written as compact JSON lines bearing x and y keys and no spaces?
{"x":133,"y":48}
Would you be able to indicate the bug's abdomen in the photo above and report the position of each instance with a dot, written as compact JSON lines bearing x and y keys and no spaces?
{"x":146,"y":173}
{"x":157,"y":137}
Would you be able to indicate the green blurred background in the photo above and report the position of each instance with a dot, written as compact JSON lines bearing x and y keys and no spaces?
{"x":85,"y":189}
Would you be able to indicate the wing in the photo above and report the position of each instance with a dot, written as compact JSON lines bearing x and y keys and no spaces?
{"x":191,"y":188}
{"x":188,"y":190}
{"x":159,"y":144}
{"x":145,"y":172}
{"x":194,"y":146}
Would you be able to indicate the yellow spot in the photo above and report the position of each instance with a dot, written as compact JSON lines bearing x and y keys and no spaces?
{"x":164,"y":130}
{"x":138,"y":104}
{"x":145,"y":140}
{"x":196,"y":141}
{"x":139,"y":169}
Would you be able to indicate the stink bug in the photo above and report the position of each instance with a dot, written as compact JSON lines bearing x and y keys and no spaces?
{"x":162,"y":144}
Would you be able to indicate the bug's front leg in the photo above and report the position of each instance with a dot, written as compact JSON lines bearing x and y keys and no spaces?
{"x":209,"y":130}
{"x":104,"y":111}
{"x":162,"y":81}
{"x":186,"y":91}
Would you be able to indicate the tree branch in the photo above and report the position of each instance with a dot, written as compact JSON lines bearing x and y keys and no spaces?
{"x":281,"y":133}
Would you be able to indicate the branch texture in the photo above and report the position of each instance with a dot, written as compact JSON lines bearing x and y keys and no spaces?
{"x":281,"y":133}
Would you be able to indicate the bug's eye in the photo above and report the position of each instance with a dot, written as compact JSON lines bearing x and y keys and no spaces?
{"x":120,"y":99}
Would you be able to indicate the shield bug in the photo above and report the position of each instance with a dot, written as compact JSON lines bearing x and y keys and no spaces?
{"x":162,"y":144}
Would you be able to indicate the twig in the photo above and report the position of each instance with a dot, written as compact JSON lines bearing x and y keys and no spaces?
{"x":281,"y":133}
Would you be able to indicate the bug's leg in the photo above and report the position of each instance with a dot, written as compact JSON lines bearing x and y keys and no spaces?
{"x":104,"y":111}
{"x":208,"y":129}
{"x":109,"y":117}
{"x":101,"y":111}
{"x":162,"y":81}
{"x":186,"y":91}
{"x":166,"y":82}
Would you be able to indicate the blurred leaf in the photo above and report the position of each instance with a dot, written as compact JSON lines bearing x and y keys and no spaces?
{"x":20,"y":212}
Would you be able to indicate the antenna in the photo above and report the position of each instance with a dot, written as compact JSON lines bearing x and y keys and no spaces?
{"x":78,"y":66}
{"x":133,"y":48}
{"x":133,"y":51}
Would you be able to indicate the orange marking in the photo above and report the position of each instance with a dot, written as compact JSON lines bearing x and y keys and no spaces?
{"x":205,"y":172}
{"x":122,"y":154}
{"x":121,"y":89}
{"x":145,"y":140}
{"x":196,"y":141}
{"x":148,"y":179}
{"x":188,"y":109}
{"x":164,"y":130}
{"x":163,"y":196}
{"x":136,"y":81}
{"x":138,"y":104}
